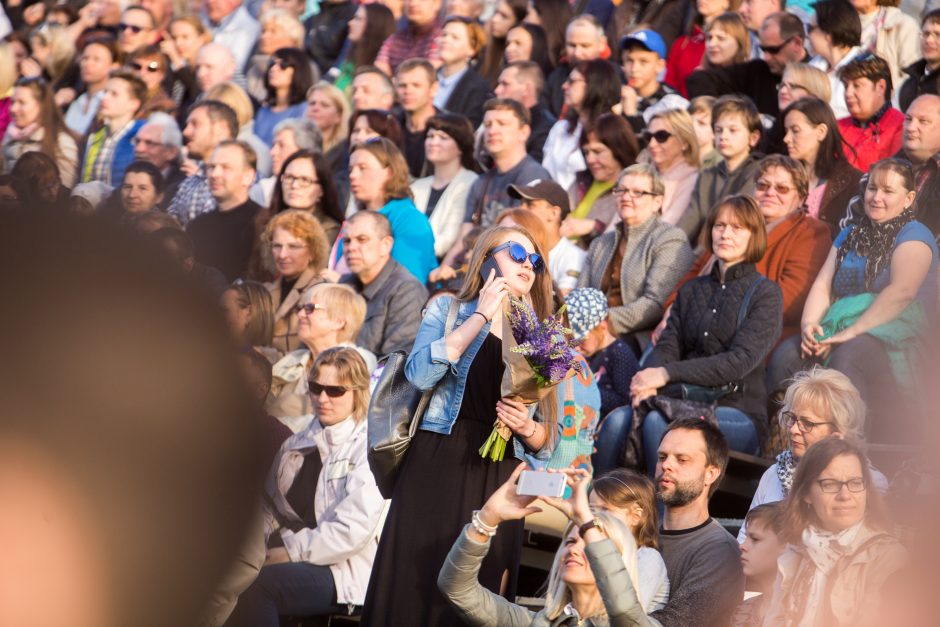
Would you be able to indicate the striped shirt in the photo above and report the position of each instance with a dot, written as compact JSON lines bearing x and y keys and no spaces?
{"x":411,"y":41}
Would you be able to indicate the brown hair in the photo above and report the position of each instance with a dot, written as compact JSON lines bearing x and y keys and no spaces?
{"x":389,"y":156}
{"x":527,"y":220}
{"x":50,"y":116}
{"x":716,"y":446}
{"x":138,"y":87}
{"x":746,"y":210}
{"x":417,"y":63}
{"x":768,"y":515}
{"x":621,"y":488}
{"x":507,"y":104}
{"x":733,"y":24}
{"x":255,"y":297}
{"x":476,"y":36}
{"x":248,"y":153}
{"x":303,"y":226}
{"x":869,"y":66}
{"x":798,"y":513}
{"x":794,"y":168}
{"x":614,"y":132}
{"x":740,"y":105}
{"x":380,"y":121}
{"x":352,"y":372}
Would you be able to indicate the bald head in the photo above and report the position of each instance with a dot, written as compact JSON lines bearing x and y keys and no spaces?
{"x":921,"y":138}
{"x":214,"y":64}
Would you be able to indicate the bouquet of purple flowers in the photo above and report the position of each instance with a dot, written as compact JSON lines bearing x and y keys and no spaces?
{"x":538,"y":354}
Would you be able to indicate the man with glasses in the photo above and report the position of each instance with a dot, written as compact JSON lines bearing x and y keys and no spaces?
{"x":782,"y":39}
{"x":136,"y":29}
{"x":924,"y":74}
{"x":393,"y":295}
{"x":160,"y":142}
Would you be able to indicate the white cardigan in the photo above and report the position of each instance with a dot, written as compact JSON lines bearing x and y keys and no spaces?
{"x":449,"y":213}
{"x":350,"y":510}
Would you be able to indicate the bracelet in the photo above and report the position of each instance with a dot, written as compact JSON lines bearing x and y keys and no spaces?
{"x":535,"y":427}
{"x":482,"y":316}
{"x":481,"y":527}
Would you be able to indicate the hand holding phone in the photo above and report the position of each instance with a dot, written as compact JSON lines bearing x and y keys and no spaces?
{"x":541,"y":483}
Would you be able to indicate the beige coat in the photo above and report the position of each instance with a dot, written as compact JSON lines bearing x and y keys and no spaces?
{"x":285,"y":315}
{"x":66,"y":157}
{"x":898,"y":43}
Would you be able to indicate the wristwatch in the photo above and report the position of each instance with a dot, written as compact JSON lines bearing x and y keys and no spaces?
{"x":591,"y":524}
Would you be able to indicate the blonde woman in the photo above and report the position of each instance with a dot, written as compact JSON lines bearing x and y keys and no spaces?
{"x":187,"y":34}
{"x":673,"y":149}
{"x":726,"y":41}
{"x":328,"y":108}
{"x":52,"y":49}
{"x":237,"y":98}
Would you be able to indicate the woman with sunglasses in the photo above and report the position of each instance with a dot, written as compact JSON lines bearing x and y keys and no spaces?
{"x":288,"y":78}
{"x":37,"y":125}
{"x":279,"y":29}
{"x":461,"y":361}
{"x":819,"y":403}
{"x":151,"y":66}
{"x":673,"y":150}
{"x":322,"y":509}
{"x":842,"y":556}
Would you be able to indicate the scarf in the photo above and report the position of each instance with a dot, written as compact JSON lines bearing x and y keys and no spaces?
{"x":19,"y":134}
{"x":874,"y":241}
{"x":786,"y":466}
{"x":824,"y":549}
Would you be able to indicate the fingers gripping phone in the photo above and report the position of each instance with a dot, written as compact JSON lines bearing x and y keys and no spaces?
{"x":489,"y":264}
{"x":540,"y":483}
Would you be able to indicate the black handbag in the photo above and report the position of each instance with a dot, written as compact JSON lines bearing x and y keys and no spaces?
{"x":395,"y":411}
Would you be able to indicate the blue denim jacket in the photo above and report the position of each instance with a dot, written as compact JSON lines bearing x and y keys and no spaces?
{"x":428,"y":366}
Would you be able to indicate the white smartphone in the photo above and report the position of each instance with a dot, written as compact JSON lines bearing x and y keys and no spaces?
{"x":540,"y":483}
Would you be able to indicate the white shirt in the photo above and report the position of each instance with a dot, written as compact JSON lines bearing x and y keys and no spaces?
{"x":563,"y":158}
{"x":837,"y":100}
{"x":565,"y":261}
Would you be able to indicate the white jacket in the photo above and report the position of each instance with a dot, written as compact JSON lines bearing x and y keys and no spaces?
{"x":350,"y":510}
{"x":449,"y":213}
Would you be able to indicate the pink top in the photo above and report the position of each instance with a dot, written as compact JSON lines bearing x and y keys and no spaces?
{"x":679,"y":181}
{"x":814,"y":200}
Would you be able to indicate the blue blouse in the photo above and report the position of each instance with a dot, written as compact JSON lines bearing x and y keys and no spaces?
{"x":266,"y":119}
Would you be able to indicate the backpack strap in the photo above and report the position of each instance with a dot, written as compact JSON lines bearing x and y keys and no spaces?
{"x":745,"y":303}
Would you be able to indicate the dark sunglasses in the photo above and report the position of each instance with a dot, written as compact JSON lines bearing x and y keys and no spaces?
{"x":333,"y":391}
{"x":279,"y":62}
{"x":660,"y":136}
{"x":775,"y":49}
{"x":518,"y":254}
{"x":309,"y":308}
{"x":131,"y":27}
{"x":153,"y":66}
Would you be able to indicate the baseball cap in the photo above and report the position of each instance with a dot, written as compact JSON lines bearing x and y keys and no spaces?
{"x":542,"y":190}
{"x":649,"y":39}
{"x":587,"y":308}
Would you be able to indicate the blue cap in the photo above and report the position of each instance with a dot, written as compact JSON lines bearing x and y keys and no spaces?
{"x":587,"y":307}
{"x":649,"y":39}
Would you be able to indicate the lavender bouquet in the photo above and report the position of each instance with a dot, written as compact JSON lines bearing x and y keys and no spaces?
{"x":538,"y":355}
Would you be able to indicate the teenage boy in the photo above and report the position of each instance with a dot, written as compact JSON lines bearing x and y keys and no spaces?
{"x":643,"y":54}
{"x":924,"y":74}
{"x":761,"y":549}
{"x":737,"y":128}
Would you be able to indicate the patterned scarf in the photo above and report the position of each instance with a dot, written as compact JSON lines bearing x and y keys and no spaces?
{"x":786,"y":466}
{"x":874,"y":241}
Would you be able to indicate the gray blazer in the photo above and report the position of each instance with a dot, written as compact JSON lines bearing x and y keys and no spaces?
{"x":657,"y":256}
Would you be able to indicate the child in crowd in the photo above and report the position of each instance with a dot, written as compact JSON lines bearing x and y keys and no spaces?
{"x":700,"y":108}
{"x":737,"y":127}
{"x":759,"y":553}
{"x":611,"y":360}
{"x":643,"y":54}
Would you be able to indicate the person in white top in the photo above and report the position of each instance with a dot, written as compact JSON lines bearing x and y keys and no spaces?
{"x":819,"y":403}
{"x":836,"y":36}
{"x":549,"y":202}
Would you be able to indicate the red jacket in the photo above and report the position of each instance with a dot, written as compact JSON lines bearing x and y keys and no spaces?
{"x":684,"y":58}
{"x":873,"y":141}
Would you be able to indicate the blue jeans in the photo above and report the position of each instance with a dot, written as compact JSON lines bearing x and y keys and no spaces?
{"x":737,"y":427}
{"x":295,"y":589}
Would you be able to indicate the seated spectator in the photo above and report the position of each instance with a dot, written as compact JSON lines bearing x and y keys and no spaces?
{"x":688,"y":51}
{"x":279,"y":29}
{"x":237,"y":98}
{"x":306,"y":184}
{"x":290,"y":136}
{"x":553,"y":17}
{"x":861,"y":315}
{"x":389,"y":289}
{"x":327,"y":30}
{"x":549,"y":203}
{"x":215,"y":64}
{"x":872,"y":131}
{"x":700,"y":108}
{"x":328,"y":108}
{"x":609,"y":146}
{"x":527,"y":42}
{"x":367,"y":124}
{"x":890,"y":33}
{"x":818,"y":403}
{"x":416,"y":36}
{"x":523,"y":82}
{"x":96,"y":60}
{"x":182,"y":43}
{"x":36,"y":183}
{"x":109,"y":150}
{"x":52,"y":51}
{"x":321,"y":542}
{"x":224,"y":237}
{"x":257,"y":373}
{"x":643,"y":54}
{"x":737,"y":128}
{"x":727,"y":41}
{"x":591,"y":89}
{"x":442,"y":196}
{"x":584,"y":41}
{"x":232,"y":27}
{"x":287,"y":80}
{"x":416,"y":84}
{"x":37,"y":125}
{"x":137,"y":28}
{"x":369,"y":27}
{"x":295,"y":250}
{"x":506,"y":14}
{"x":673,"y":151}
{"x":160,"y":142}
{"x":761,"y":547}
{"x":812,"y":137}
{"x":342,"y":312}
{"x":596,"y":547}
{"x":637,"y":264}
{"x":836,"y":40}
{"x":249,"y":314}
{"x":922,"y":75}
{"x":799,"y":80}
{"x":151,"y":66}
{"x":707,"y":342}
{"x":372,"y":89}
{"x":142,"y":188}
{"x":832,"y":504}
{"x":920,"y":144}
{"x":378,"y":179}
{"x":612,"y":362}
{"x":460,"y":89}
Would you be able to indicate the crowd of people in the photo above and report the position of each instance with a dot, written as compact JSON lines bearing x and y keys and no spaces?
{"x":738,"y":204}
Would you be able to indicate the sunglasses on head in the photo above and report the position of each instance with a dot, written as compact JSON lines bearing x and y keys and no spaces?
{"x":774,"y":49}
{"x":131,"y":27}
{"x":660,"y":136}
{"x":153,"y":66}
{"x":333,"y":391}
{"x":518,"y":254}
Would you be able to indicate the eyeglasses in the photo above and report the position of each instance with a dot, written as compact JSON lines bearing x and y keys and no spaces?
{"x":782,"y":190}
{"x":775,"y":49}
{"x":806,"y":426}
{"x":518,"y":254}
{"x":660,"y":136}
{"x":279,"y":62}
{"x":153,"y":66}
{"x":834,"y":486}
{"x":632,"y":193}
{"x":301,"y":181}
{"x":333,"y":391}
{"x":791,"y":87}
{"x":309,"y":308}
{"x":131,"y":27}
{"x":146,"y":143}
{"x":572,"y":80}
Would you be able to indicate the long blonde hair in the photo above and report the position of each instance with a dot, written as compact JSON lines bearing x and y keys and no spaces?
{"x":336,"y":96}
{"x":684,"y":130}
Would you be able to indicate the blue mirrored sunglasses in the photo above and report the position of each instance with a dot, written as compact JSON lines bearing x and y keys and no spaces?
{"x":518,"y":254}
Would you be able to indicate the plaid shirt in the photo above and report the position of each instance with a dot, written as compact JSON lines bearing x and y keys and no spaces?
{"x":100,"y":154}
{"x":192,"y":198}
{"x":409,"y":42}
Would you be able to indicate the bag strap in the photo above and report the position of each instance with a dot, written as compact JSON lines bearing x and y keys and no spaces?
{"x":426,"y":396}
{"x":745,"y":303}
{"x":451,"y":316}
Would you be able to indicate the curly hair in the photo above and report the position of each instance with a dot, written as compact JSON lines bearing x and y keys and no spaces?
{"x":303,"y":226}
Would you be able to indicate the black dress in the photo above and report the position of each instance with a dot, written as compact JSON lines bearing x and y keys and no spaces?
{"x":441,"y":481}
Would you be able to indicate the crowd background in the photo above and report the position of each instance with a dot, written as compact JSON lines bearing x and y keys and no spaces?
{"x":738,"y":203}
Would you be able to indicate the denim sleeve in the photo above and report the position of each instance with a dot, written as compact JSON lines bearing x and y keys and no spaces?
{"x":428,"y":361}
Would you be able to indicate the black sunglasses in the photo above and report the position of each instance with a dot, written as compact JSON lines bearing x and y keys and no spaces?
{"x":775,"y":49}
{"x":153,"y":66}
{"x":131,"y":27}
{"x":660,"y":136}
{"x":333,"y":391}
{"x":518,"y":254}
{"x":279,"y":62}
